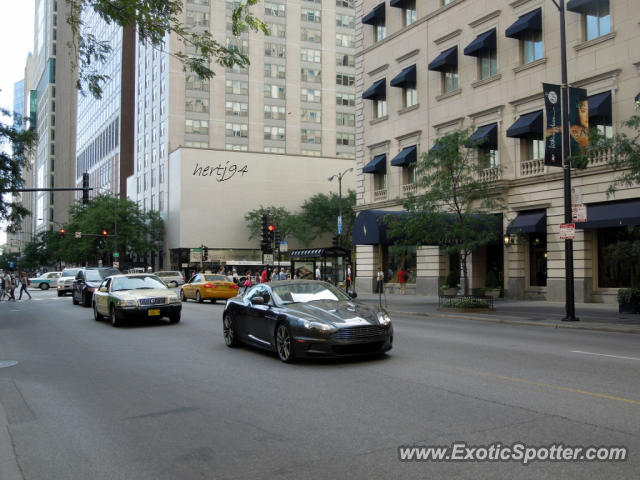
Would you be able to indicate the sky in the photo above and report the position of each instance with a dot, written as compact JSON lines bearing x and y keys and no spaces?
{"x":16,"y":41}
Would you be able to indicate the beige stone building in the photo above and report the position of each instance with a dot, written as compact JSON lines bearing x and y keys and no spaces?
{"x":428,"y":67}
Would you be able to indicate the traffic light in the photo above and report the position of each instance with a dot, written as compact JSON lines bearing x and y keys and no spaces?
{"x":85,"y":188}
{"x":272,"y":230}
{"x":264,"y":237}
{"x":62,"y":232}
{"x":336,"y":240}
{"x":205,"y":253}
{"x":276,"y":237}
{"x":105,"y":233}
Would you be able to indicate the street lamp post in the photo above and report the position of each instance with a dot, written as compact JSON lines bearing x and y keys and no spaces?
{"x":339,"y":177}
{"x":570,"y":313}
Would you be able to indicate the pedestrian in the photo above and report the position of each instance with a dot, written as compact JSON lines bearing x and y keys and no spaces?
{"x":3,"y":291}
{"x":403,"y":276}
{"x":379,"y":280}
{"x":263,"y":275}
{"x":247,"y":282}
{"x":318,"y":273}
{"x":9,"y":286}
{"x":348,"y":280}
{"x":274,"y":274}
{"x":282,"y":275}
{"x":236,"y":278}
{"x":23,"y":285}
{"x":149,"y":270}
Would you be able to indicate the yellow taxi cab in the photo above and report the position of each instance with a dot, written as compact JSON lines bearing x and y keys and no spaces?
{"x":208,"y":286}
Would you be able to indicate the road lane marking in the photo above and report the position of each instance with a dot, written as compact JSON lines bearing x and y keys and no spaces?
{"x":549,"y":386}
{"x":605,"y":355}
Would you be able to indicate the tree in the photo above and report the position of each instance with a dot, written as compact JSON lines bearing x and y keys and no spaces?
{"x":136,"y":233}
{"x":455,"y":210}
{"x":154,"y":21}
{"x":43,"y":250}
{"x":321,"y":212}
{"x":280,"y":217}
{"x":16,"y":142}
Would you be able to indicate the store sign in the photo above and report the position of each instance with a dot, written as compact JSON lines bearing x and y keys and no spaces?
{"x":195,"y":255}
{"x":567,"y":231}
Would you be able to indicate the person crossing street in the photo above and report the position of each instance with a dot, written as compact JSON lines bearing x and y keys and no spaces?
{"x":23,"y":285}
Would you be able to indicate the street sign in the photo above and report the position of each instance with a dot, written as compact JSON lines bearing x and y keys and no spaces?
{"x":267,"y":258}
{"x":185,"y":265}
{"x":339,"y":225}
{"x":195,"y":255}
{"x":78,"y":234}
{"x":116,"y":254}
{"x":579,"y":212}
{"x":284,"y":246}
{"x":567,"y":231}
{"x":116,"y":264}
{"x":576,"y":195}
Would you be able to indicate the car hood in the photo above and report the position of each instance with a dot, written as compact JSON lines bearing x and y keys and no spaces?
{"x":339,"y":313}
{"x":143,"y":293}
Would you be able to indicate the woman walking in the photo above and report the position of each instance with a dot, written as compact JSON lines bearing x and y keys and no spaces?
{"x":24,"y":280}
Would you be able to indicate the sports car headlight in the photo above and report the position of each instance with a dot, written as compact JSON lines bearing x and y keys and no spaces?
{"x":319,"y":327}
{"x":127,"y":303}
{"x":384,"y":318}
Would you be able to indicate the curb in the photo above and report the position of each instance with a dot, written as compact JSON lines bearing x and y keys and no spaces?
{"x":599,"y":327}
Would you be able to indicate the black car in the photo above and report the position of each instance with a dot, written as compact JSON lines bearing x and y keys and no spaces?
{"x":305,"y":318}
{"x":87,"y":280}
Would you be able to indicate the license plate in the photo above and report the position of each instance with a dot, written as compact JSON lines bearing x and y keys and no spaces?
{"x":153,"y":313}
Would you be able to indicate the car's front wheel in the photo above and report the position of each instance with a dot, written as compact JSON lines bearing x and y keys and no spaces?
{"x":86,"y":302}
{"x":96,"y":315}
{"x":183,"y":296}
{"x":284,"y":343}
{"x":44,"y":286}
{"x":229,"y":332}
{"x":174,"y":318}
{"x":116,"y":321}
{"x":73,"y":298}
{"x":60,"y":294}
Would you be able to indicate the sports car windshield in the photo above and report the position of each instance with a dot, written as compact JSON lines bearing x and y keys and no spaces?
{"x":137,"y":283}
{"x":307,"y":292}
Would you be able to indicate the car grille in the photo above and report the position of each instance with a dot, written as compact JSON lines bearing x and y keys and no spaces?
{"x":360,"y":332}
{"x":152,"y":301}
{"x":357,"y":349}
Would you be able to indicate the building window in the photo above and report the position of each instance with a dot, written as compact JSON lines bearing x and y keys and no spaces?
{"x":194,"y":82}
{"x":274,"y":50}
{"x":274,"y":112}
{"x":450,"y":79}
{"x":237,"y":130}
{"x":344,"y":40}
{"x":345,"y":60}
{"x":538,"y":260}
{"x":345,"y":80}
{"x":615,"y":245}
{"x":379,"y":108}
{"x":597,"y":19}
{"x":311,"y":75}
{"x":200,"y":127}
{"x":312,"y":116}
{"x":488,"y":158}
{"x":237,"y":148}
{"x":274,"y":150}
{"x":534,"y":148}
{"x":310,"y":153}
{"x":310,"y":35}
{"x":380,"y":181}
{"x":271,"y":70}
{"x":346,"y":119}
{"x":310,"y":136}
{"x":531,"y":46}
{"x":345,"y":3}
{"x":310,"y":55}
{"x":345,"y":139}
{"x":410,"y":96}
{"x":310,"y":15}
{"x":197,"y":19}
{"x":237,"y":87}
{"x":237,"y":109}
{"x":488,"y":63}
{"x":346,"y":21}
{"x":274,"y":9}
{"x":310,"y":95}
{"x":196,"y":105}
{"x":410,"y":12}
{"x":380,"y":32}
{"x":411,"y":174}
{"x":274,"y":133}
{"x":277,"y":30}
{"x":274,"y":91}
{"x":345,"y":99}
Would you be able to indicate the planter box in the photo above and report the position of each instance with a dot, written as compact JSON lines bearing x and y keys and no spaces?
{"x":449,"y":292}
{"x":493,"y":292}
{"x":629,"y":307}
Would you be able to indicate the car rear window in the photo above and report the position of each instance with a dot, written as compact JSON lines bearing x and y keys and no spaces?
{"x":70,"y":273}
{"x":216,"y":278}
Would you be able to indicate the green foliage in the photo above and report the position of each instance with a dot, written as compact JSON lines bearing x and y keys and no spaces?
{"x":43,"y":250}
{"x":492,"y":280}
{"x":465,"y":303}
{"x":154,"y":21}
{"x":7,"y":257}
{"x":451,"y":281}
{"x":15,"y":145}
{"x":455,"y":210}
{"x":628,"y":295}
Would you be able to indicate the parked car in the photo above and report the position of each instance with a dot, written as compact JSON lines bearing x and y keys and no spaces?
{"x":65,"y":281}
{"x":45,"y":281}
{"x":87,"y":280}
{"x":305,"y":318}
{"x":208,"y":286}
{"x":143,"y":295}
{"x":171,"y":276}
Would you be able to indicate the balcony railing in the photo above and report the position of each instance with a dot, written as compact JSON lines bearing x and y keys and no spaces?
{"x":409,"y":188}
{"x":600,"y":158}
{"x":490,"y":174}
{"x":379,"y":195}
{"x":530,"y":168}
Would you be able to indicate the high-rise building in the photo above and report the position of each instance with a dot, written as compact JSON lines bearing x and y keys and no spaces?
{"x":429,"y":67}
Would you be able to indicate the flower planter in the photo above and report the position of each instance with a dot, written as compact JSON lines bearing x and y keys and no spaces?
{"x":627,"y":307}
{"x":449,"y":292}
{"x":492,"y":292}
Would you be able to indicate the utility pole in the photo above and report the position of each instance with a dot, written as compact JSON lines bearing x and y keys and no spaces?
{"x":339,"y":177}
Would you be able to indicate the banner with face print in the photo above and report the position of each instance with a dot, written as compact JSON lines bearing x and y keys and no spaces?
{"x":553,"y":132}
{"x":578,"y":120}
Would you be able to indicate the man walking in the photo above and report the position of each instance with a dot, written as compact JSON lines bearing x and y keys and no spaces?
{"x":23,"y":285}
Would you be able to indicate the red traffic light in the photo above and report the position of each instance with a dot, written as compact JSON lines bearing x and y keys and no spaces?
{"x":104,"y":233}
{"x":62,"y":232}
{"x":271,"y":228}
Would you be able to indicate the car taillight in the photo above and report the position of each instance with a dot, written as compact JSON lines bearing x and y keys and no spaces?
{"x":235,"y":286}
{"x":209,"y":285}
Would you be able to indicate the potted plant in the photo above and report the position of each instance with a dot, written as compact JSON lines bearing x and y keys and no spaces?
{"x":492,"y":286}
{"x":450,"y":286}
{"x":628,"y":300}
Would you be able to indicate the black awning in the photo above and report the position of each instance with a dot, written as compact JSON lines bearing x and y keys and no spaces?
{"x":405,"y":77}
{"x":377,"y":165}
{"x":318,"y":253}
{"x":532,"y":221}
{"x":448,"y":58}
{"x":612,"y":214}
{"x":399,"y":3}
{"x":437,"y":148}
{"x":370,"y":228}
{"x":582,"y":6}
{"x":485,"y":137}
{"x":527,"y":126}
{"x":529,"y":22}
{"x":484,"y":41}
{"x":407,"y":156}
{"x":377,"y":91}
{"x":375,"y":16}
{"x":600,"y":106}
{"x":637,"y":99}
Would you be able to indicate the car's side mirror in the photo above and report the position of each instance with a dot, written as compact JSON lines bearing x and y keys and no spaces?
{"x":103,"y":289}
{"x":257,"y":301}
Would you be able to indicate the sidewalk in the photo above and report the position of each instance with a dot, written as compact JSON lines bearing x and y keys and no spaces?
{"x":593,"y":316}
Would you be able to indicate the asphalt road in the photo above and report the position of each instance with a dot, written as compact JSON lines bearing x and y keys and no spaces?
{"x":160,"y":401}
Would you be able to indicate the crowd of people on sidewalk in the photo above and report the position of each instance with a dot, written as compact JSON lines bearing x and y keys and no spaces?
{"x":9,"y":282}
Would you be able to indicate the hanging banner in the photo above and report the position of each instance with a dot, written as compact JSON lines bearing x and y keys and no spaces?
{"x":553,"y":133}
{"x":578,"y":120}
